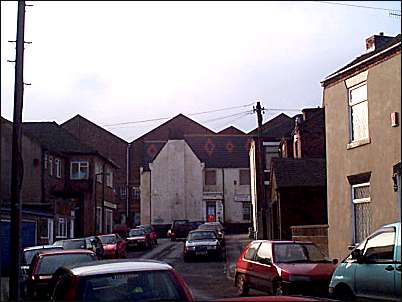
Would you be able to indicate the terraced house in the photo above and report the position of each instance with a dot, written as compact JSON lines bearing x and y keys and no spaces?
{"x":362,"y":103}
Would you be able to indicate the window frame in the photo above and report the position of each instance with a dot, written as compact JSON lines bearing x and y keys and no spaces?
{"x":61,"y":227}
{"x":248,"y":183}
{"x":360,"y":200}
{"x":379,"y":232}
{"x":50,"y":165}
{"x":205,"y":178}
{"x":80,"y":164}
{"x":354,"y":202}
{"x":351,"y":104}
{"x":57,"y":163}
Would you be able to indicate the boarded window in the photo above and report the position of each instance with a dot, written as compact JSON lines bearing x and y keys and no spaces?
{"x":210,"y":178}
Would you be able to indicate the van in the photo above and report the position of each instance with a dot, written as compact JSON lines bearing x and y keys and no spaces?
{"x":373,"y":268}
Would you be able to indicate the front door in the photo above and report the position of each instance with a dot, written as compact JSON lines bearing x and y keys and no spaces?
{"x":211,"y":211}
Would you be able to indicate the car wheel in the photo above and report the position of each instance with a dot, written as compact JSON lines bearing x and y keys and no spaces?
{"x":156,"y":241}
{"x":242,"y":288}
{"x":278,"y":288}
{"x":343,"y":293}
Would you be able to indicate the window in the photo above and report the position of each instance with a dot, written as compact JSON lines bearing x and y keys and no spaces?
{"x":57,"y":163}
{"x":249,"y":255}
{"x":210,"y":177}
{"x":62,"y":228}
{"x":50,"y":167}
{"x":361,"y":211}
{"x":43,"y":228}
{"x":45,"y":161}
{"x":108,"y":221}
{"x":136,"y":193}
{"x":123,"y":192}
{"x":109,"y":177}
{"x":79,"y":170}
{"x":244,"y":176}
{"x":271,"y":150}
{"x":264,"y":252}
{"x":358,"y":112}
{"x":246,"y":211}
{"x":98,"y":172}
{"x":98,"y":219}
{"x":380,"y":248}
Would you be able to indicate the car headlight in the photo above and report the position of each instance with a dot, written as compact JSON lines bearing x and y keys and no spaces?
{"x":190,"y":248}
{"x":212,"y":247}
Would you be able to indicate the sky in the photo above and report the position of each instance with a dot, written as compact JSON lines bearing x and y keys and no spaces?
{"x":116,"y":63}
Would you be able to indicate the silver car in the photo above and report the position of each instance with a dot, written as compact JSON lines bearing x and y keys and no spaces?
{"x":202,"y":243}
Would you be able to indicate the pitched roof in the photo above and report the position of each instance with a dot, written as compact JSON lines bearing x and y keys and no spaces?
{"x":83,"y":119}
{"x":231,"y":130}
{"x":175,"y":128}
{"x":276,"y":127}
{"x":53,"y":137}
{"x":216,"y":151}
{"x":364,"y":57}
{"x":290,"y":172}
{"x":221,"y":151}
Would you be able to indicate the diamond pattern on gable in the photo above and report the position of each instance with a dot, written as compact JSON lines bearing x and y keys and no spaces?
{"x":152,"y":150}
{"x":230,"y":146}
{"x":209,"y":147}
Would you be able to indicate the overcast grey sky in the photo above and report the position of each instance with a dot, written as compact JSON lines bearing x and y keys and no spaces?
{"x":116,"y":62}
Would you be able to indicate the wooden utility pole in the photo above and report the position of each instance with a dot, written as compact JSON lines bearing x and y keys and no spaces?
{"x":261,"y":199}
{"x":16,"y":161}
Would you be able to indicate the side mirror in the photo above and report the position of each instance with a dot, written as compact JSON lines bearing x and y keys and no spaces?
{"x":335,"y":261}
{"x":357,"y":255}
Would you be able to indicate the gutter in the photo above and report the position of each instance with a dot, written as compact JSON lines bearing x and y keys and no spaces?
{"x":359,"y":63}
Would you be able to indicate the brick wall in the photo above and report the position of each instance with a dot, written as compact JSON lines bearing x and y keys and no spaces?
{"x":315,"y":233}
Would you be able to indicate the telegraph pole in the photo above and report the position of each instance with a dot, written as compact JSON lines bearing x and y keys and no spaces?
{"x":16,"y":161}
{"x":260,"y":172}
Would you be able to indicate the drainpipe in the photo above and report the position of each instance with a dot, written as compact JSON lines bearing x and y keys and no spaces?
{"x":127,"y":180}
{"x":150,"y":196}
{"x":223,"y":195}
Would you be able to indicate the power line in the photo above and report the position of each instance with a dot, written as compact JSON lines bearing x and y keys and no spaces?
{"x":359,"y":6}
{"x":166,"y":118}
{"x":226,"y":116}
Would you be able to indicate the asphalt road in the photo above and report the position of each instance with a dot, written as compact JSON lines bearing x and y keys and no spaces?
{"x":208,"y":279}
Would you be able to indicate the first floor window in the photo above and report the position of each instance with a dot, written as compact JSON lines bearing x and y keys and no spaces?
{"x":57,"y":164}
{"x":43,"y":228}
{"x":62,"y":228}
{"x":210,"y":177}
{"x":79,"y":170}
{"x":358,"y":112}
{"x":361,"y":211}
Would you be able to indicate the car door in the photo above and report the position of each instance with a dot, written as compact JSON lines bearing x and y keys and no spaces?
{"x":375,"y":274}
{"x":398,"y":264}
{"x":263,"y":268}
{"x":249,"y":264}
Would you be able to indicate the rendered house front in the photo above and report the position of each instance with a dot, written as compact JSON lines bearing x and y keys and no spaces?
{"x":363,"y":141}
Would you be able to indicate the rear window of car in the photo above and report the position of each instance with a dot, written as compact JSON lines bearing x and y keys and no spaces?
{"x":133,"y":286}
{"x":50,"y":263}
{"x":137,"y":232}
{"x":28,"y":255}
{"x":201,"y":235}
{"x":108,"y":239}
{"x":74,"y":244}
{"x":298,"y":252}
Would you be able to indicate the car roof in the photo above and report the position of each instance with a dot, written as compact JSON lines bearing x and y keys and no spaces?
{"x":201,"y":230}
{"x":62,"y":252}
{"x":395,"y":224}
{"x":118,"y":266}
{"x":104,"y":235}
{"x":283,"y":241}
{"x":39,"y":247}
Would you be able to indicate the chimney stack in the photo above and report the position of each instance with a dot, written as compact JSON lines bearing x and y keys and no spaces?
{"x":376,"y":41}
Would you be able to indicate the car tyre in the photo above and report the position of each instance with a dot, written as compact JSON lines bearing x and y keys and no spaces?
{"x":241,"y":284}
{"x":343,"y":293}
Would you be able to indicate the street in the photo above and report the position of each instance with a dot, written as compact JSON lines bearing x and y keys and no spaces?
{"x":208,"y":279}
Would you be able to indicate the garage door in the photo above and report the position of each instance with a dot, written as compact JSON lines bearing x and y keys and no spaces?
{"x":28,"y":233}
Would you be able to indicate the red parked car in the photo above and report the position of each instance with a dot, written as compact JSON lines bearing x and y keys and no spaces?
{"x":150,"y":231}
{"x":283,"y":267}
{"x":120,"y":280}
{"x":113,"y":246}
{"x":45,"y":263}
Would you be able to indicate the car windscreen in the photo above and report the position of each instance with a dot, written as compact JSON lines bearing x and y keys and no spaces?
{"x":28,"y":255}
{"x":298,"y":252}
{"x":108,"y":239}
{"x":74,"y":244}
{"x":201,"y":236}
{"x":132,"y":286}
{"x":50,"y":263}
{"x":136,"y":232}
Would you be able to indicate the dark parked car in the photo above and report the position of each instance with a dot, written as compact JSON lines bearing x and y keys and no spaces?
{"x":181,"y":228}
{"x":120,"y":280}
{"x":138,"y":238}
{"x":202,"y":243}
{"x":217,"y":227}
{"x":113,"y":246}
{"x":149,"y":229}
{"x":283,"y":267}
{"x":44,"y":264}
